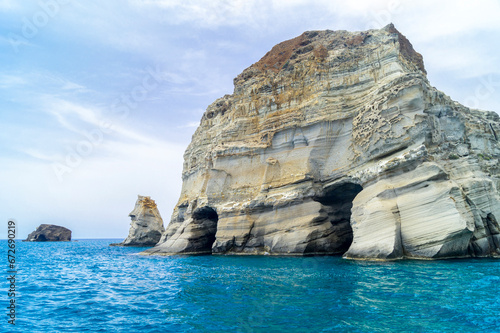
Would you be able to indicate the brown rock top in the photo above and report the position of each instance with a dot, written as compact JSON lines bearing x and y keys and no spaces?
{"x":334,"y":143}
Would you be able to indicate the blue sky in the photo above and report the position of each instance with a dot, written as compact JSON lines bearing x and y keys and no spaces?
{"x":99,"y":99}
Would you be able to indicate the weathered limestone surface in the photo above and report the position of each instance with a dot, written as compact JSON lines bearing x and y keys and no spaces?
{"x":336,"y":143}
{"x":146,"y":226}
{"x":50,"y":233}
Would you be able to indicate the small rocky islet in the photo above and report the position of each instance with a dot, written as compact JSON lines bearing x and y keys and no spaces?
{"x":49,"y":233}
{"x":335,"y":142}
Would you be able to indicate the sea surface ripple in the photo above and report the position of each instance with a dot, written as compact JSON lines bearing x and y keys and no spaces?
{"x":88,"y":286}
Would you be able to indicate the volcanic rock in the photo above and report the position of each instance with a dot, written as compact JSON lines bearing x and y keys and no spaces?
{"x":146,"y":226}
{"x":336,"y":143}
{"x":50,"y":233}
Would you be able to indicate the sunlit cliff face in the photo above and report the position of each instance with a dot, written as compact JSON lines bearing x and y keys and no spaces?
{"x":336,"y":143}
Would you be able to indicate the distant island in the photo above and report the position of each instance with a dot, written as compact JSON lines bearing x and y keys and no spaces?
{"x":49,"y":233}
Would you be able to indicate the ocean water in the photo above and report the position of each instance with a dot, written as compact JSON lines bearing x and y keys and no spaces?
{"x":88,"y":286}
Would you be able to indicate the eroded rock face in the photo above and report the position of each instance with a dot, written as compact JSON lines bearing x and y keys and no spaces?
{"x":336,"y":143}
{"x":146,"y":226}
{"x":50,"y":233}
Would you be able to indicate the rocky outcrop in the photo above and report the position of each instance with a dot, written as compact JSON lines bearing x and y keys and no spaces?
{"x":336,"y":143}
{"x":146,"y":226}
{"x":50,"y":233}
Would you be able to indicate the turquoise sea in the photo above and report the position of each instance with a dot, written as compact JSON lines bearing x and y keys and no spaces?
{"x":88,"y":286}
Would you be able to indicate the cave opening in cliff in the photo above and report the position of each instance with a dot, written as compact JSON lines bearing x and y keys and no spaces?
{"x":206,"y":219}
{"x":338,"y":201}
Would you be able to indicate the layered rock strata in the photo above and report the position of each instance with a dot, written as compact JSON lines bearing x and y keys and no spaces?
{"x":336,"y":143}
{"x":49,"y":233}
{"x":146,"y":226}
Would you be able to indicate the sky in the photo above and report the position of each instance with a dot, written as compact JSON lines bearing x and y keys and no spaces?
{"x":99,"y":99}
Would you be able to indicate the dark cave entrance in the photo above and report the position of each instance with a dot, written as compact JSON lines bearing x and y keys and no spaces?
{"x":205,"y":219}
{"x":41,"y":238}
{"x":337,"y":201}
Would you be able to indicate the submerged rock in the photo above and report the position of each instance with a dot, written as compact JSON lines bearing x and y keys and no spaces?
{"x":146,"y":226}
{"x":50,"y":233}
{"x":336,"y":143}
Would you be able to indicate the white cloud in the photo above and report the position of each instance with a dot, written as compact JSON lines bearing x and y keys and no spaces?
{"x":64,"y":122}
{"x":91,"y":197}
{"x":9,"y":81}
{"x":436,"y":18}
{"x":96,"y":197}
{"x":464,"y":62}
{"x":62,"y":107}
{"x":87,"y":121}
{"x":34,"y":82}
{"x":207,"y":14}
{"x":72,"y":86}
{"x":41,"y":155}
{"x":430,"y":20}
{"x":191,"y":124}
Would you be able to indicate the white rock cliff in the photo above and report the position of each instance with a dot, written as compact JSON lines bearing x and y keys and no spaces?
{"x":336,"y":143}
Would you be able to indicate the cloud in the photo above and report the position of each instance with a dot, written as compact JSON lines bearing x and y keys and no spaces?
{"x":465,"y":62}
{"x":61,"y":119}
{"x":450,"y":18}
{"x":191,"y":124}
{"x":94,"y":194}
{"x":41,"y":155}
{"x":87,"y":121}
{"x":63,"y":108}
{"x":206,"y":14}
{"x":36,"y":84}
{"x":95,"y":198}
{"x":436,"y":19}
{"x":9,"y":81}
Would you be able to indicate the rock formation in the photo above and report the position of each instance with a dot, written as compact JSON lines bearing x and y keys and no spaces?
{"x":146,"y":226}
{"x":50,"y":233}
{"x":336,"y":143}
